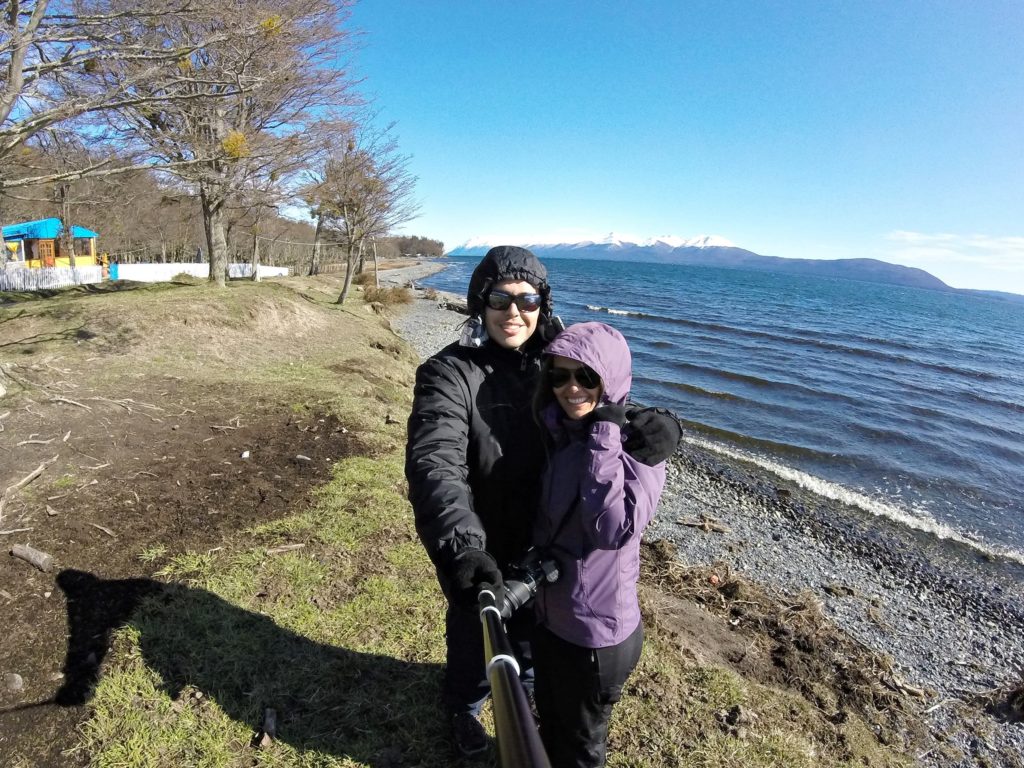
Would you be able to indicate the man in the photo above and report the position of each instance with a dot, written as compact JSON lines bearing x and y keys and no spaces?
{"x":474,"y":460}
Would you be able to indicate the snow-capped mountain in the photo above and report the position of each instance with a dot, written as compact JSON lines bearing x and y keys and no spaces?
{"x":611,"y":240}
{"x":711,"y":251}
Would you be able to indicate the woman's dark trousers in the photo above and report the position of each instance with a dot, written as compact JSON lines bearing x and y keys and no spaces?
{"x":575,"y":690}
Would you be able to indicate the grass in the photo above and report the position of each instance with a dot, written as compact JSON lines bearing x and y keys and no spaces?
{"x":343,"y":636}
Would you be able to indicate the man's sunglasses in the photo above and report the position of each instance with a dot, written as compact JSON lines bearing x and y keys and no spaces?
{"x":525,"y":302}
{"x":585,"y":376}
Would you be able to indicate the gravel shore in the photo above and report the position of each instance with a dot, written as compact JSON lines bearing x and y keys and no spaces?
{"x":952,"y":623}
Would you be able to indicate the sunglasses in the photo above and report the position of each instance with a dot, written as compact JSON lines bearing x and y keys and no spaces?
{"x":525,"y":302}
{"x":585,"y":376}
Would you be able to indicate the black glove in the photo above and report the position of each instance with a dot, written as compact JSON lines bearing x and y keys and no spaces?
{"x":616,"y":414}
{"x":652,"y":436}
{"x":470,"y":570}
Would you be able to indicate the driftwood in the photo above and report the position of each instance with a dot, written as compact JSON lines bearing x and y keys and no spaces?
{"x":69,"y":401}
{"x":41,"y":560}
{"x":34,"y":442}
{"x":284,"y":548}
{"x":23,"y":482}
{"x":103,"y":528}
{"x":706,"y":524}
{"x":903,"y":687}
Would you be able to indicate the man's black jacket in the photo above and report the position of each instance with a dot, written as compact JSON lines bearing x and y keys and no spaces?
{"x":474,"y":456}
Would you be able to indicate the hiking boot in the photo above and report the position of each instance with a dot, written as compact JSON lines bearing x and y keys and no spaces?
{"x":470,"y":737}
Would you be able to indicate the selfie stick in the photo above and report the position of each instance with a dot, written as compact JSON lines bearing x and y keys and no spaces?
{"x":519,"y":744}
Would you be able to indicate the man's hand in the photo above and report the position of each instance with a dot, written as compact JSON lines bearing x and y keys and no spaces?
{"x":470,"y":570}
{"x":652,"y":436}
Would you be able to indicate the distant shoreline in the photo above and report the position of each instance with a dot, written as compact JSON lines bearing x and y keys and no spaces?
{"x":950,"y":621}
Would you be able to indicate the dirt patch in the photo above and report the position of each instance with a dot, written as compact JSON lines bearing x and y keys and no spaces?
{"x":142,"y":474}
{"x":138,"y":468}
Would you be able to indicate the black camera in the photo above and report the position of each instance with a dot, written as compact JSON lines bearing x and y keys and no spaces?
{"x":525,"y":577}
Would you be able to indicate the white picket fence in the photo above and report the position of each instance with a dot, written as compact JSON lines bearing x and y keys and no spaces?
{"x":159,"y":273}
{"x":23,"y":279}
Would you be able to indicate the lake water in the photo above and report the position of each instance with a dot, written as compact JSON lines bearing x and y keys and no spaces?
{"x":904,"y":402}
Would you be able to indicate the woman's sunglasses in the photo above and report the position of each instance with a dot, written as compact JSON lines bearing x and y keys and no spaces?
{"x":525,"y":302}
{"x":585,"y":376}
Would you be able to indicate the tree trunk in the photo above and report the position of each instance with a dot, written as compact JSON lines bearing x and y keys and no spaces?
{"x":350,"y":259}
{"x":376,"y":269}
{"x":255,"y":256}
{"x":67,"y":234}
{"x":4,"y":253}
{"x":314,"y":262}
{"x":216,"y":241}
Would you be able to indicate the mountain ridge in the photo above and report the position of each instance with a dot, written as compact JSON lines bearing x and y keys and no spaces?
{"x":663,"y":251}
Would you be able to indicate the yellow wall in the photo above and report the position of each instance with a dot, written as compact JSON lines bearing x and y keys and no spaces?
{"x":81,"y":260}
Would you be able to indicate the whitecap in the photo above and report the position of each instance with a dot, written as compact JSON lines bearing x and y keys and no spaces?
{"x":918,"y":519}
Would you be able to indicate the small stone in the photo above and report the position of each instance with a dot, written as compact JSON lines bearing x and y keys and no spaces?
{"x":13,"y":682}
{"x":245,"y":454}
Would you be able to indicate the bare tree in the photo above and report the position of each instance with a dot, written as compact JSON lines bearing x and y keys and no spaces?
{"x":253,"y":99}
{"x":52,"y":53}
{"x":366,"y":191}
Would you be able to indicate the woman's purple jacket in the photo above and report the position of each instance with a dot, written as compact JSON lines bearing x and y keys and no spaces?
{"x":596,"y":502}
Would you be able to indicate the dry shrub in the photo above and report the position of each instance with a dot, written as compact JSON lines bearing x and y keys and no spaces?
{"x":430,"y":294}
{"x":804,"y":651}
{"x":1005,"y":702}
{"x":388,"y":296}
{"x":363,"y":278}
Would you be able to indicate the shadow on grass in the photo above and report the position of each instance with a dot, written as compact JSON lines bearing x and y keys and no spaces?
{"x":373,"y":709}
{"x":89,"y":289}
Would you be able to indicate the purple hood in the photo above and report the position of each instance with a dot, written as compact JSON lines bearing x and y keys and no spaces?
{"x":602,"y":348}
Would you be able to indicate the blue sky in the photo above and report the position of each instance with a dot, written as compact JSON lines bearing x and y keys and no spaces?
{"x":890,"y":130}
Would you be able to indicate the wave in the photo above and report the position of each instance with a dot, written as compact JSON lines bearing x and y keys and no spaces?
{"x":916,"y":519}
{"x":974,"y":374}
{"x":760,"y":383}
{"x":625,"y":312}
{"x":738,"y":438}
{"x":693,"y":389}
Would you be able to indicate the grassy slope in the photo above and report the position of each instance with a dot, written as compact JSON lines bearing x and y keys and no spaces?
{"x":343,"y":637}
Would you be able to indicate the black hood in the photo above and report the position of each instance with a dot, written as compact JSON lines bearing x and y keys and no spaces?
{"x":507,"y":262}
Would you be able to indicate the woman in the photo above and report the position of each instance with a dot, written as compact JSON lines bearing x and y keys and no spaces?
{"x":596,"y":501}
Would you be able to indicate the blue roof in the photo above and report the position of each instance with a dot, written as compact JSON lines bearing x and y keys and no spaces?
{"x":43,"y":229}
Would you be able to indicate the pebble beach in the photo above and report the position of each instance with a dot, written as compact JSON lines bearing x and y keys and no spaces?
{"x":951,"y":621}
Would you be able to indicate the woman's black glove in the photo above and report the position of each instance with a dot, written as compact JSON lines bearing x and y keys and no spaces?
{"x":652,"y":436}
{"x":616,"y":414}
{"x":469,"y":571}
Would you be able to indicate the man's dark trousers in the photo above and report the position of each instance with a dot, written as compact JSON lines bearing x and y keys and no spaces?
{"x":465,"y":678}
